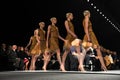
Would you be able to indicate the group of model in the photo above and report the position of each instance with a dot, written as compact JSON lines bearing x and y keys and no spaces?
{"x":47,"y":45}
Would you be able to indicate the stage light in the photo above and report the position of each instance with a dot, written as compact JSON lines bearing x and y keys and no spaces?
{"x":88,"y":0}
{"x":97,"y":10}
{"x":107,"y":19}
{"x":91,"y":4}
{"x":100,"y":12}
{"x":94,"y":7}
{"x":110,"y":21}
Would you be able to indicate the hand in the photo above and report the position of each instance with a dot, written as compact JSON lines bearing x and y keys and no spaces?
{"x":66,"y":41}
{"x":96,"y":57}
{"x":75,"y":36}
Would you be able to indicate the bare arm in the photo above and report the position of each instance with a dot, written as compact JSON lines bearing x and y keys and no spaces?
{"x":29,"y":42}
{"x":48,"y":34}
{"x":38,"y":39}
{"x":68,"y":30}
{"x":60,"y":36}
{"x":85,"y":24}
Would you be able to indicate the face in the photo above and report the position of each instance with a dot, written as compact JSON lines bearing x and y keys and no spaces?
{"x":54,"y":20}
{"x":42,"y":24}
{"x":71,"y":16}
{"x":22,"y":48}
{"x":14,"y":47}
{"x":88,"y":14}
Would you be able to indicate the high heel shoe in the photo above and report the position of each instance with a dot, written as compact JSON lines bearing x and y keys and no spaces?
{"x":43,"y":68}
{"x":62,"y":68}
{"x":81,"y":68}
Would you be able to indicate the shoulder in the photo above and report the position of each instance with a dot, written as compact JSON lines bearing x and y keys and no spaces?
{"x":49,"y":26}
{"x":66,"y":21}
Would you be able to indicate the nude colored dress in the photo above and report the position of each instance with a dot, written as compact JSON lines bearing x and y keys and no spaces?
{"x":69,"y":37}
{"x":53,"y":41}
{"x":34,"y":48}
{"x":41,"y":33}
{"x":91,"y":34}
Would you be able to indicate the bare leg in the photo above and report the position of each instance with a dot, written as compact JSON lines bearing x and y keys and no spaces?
{"x":34,"y":58}
{"x":63,"y":60}
{"x":81,"y":60}
{"x":101,"y":59}
{"x":59,"y":57}
{"x":31,"y":64}
{"x":46,"y":61}
{"x":26,"y":65}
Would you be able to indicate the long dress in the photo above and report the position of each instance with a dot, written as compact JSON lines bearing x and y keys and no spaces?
{"x":34,"y":48}
{"x":41,"y":33}
{"x":91,"y":34}
{"x":53,"y":41}
{"x":69,"y":37}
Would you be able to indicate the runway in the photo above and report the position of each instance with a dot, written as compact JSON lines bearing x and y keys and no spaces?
{"x":59,"y":75}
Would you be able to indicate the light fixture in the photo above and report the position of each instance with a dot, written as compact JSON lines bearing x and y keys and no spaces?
{"x":88,"y":0}
{"x":91,"y":4}
{"x":94,"y":7}
{"x":97,"y":10}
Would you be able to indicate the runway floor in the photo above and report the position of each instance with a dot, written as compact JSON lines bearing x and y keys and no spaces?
{"x":59,"y":75}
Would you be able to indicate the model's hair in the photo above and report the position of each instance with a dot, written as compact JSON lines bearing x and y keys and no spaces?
{"x":68,"y":14}
{"x":52,"y":18}
{"x":41,"y":23}
{"x":86,"y":12}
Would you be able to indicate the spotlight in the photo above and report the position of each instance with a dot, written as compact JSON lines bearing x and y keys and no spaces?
{"x":103,"y":15}
{"x":100,"y":12}
{"x":91,"y":4}
{"x":88,"y":0}
{"x":94,"y":7}
{"x":97,"y":10}
{"x":110,"y":22}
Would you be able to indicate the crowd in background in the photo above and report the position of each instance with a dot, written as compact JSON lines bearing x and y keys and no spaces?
{"x":20,"y":59}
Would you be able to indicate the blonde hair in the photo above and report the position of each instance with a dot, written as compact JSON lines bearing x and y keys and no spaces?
{"x":75,"y":42}
{"x":41,"y":23}
{"x":68,"y":14}
{"x":52,"y":18}
{"x":86,"y":12}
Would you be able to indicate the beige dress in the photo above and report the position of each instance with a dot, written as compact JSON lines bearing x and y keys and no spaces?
{"x":53,"y":41}
{"x":69,"y":37}
{"x":91,"y":34}
{"x":34,"y":48}
{"x":41,"y":33}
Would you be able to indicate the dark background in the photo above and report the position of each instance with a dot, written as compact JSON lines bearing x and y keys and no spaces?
{"x":20,"y":17}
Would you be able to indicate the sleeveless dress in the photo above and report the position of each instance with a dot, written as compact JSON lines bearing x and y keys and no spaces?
{"x":53,"y":41}
{"x":34,"y":48}
{"x":41,"y":33}
{"x":91,"y":34}
{"x":69,"y":37}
